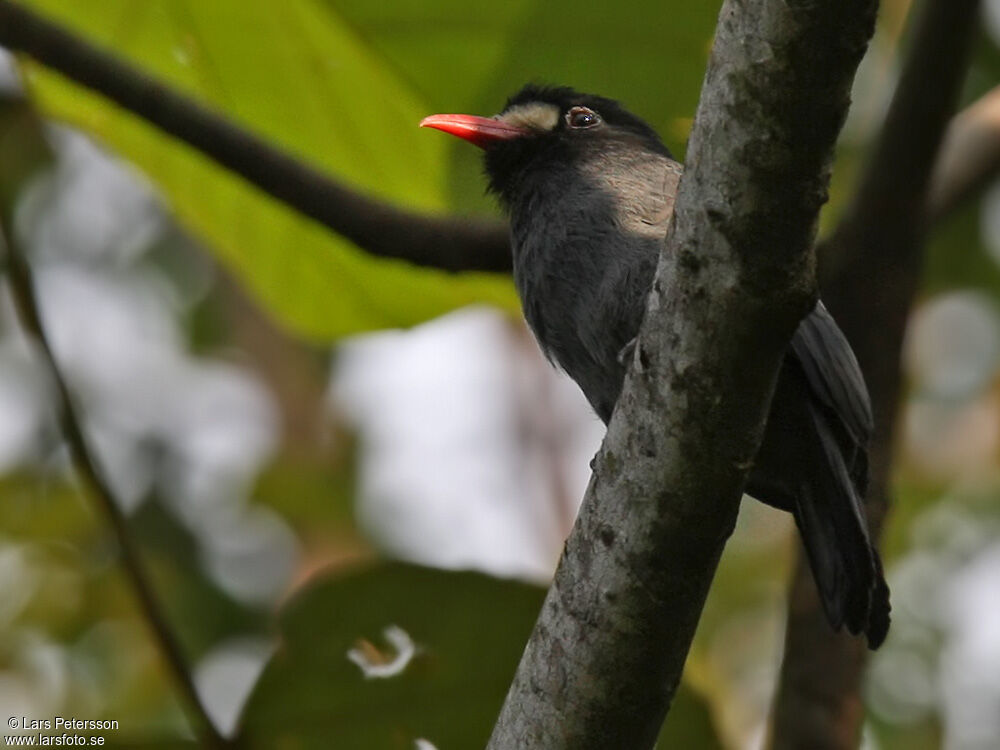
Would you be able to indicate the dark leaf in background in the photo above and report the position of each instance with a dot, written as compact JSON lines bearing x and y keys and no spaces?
{"x":468,"y":630}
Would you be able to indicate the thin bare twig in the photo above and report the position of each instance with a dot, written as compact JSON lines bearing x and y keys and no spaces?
{"x":380,"y":228}
{"x":873,"y":262}
{"x":23,"y":292}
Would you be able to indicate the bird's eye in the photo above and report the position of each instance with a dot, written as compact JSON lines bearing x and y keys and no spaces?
{"x":582,"y":117}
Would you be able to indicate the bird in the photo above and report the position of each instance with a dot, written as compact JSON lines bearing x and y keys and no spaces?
{"x":588,"y":188}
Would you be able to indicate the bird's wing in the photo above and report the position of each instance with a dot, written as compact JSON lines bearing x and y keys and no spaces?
{"x":832,"y":372}
{"x":830,"y":366}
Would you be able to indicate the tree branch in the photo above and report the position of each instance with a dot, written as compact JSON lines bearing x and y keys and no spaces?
{"x":734,"y":280}
{"x":875,"y":257}
{"x":457,"y":245}
{"x":23,"y":293}
{"x":969,"y":159}
{"x":380,"y":228}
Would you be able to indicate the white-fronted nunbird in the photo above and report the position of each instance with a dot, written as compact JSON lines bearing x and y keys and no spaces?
{"x":589,"y":189}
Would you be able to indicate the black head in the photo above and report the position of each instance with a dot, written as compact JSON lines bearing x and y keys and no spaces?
{"x":543,"y":125}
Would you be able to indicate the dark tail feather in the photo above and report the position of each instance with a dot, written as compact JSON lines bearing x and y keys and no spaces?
{"x":847,"y":568}
{"x":878,"y":619}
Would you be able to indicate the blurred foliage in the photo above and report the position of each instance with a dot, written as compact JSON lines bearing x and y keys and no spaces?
{"x":343,"y":85}
{"x":295,"y":74}
{"x":23,"y":151}
{"x":955,"y":257}
{"x":67,"y":598}
{"x":449,"y":692}
{"x":203,"y":614}
{"x":461,"y":59}
{"x":947,"y":269}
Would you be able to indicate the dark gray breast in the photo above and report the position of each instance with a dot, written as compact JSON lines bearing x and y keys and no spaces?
{"x":586,"y":239}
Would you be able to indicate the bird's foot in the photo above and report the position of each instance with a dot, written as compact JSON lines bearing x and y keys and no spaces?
{"x":626,"y":352}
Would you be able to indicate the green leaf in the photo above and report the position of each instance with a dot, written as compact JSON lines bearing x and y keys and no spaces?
{"x":294,"y":74}
{"x":343,"y":85}
{"x":24,"y":153}
{"x":470,"y":631}
{"x":957,"y":257}
{"x":460,"y":57}
{"x":689,"y":724}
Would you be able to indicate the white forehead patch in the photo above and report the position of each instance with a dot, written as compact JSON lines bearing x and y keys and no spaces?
{"x":534,"y":115}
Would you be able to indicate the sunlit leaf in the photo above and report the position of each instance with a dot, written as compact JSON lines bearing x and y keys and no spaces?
{"x":293,"y":73}
{"x":343,"y":85}
{"x":23,"y":151}
{"x":460,"y":56}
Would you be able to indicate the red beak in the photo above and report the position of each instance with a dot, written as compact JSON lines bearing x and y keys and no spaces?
{"x":481,"y":131}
